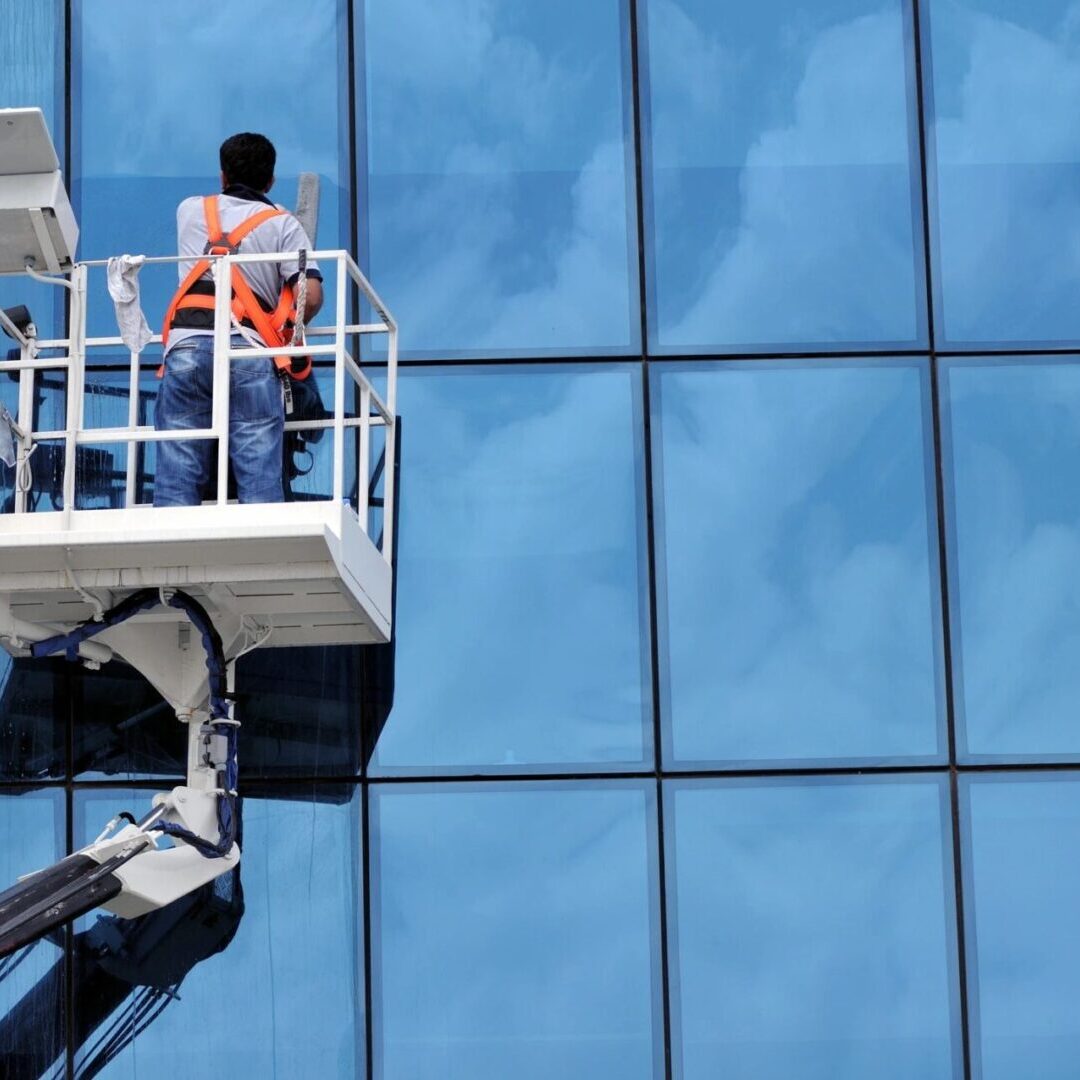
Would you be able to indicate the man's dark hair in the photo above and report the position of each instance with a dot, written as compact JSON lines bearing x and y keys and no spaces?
{"x":248,"y":158}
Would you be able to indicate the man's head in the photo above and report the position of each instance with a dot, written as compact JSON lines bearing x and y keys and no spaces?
{"x":248,"y":159}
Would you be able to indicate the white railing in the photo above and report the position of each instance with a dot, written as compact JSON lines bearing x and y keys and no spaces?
{"x":374,"y":410}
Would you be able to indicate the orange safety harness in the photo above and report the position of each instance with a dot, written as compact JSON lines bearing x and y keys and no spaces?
{"x":271,"y":324}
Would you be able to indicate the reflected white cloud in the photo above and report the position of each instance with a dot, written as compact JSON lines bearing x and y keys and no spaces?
{"x":250,"y":67}
{"x":1022,"y":892}
{"x":499,"y":200}
{"x":519,"y":616}
{"x":527,"y":972}
{"x":1008,"y":154}
{"x":799,"y":231}
{"x":800,"y":596}
{"x":1017,"y":561}
{"x":811,"y":931}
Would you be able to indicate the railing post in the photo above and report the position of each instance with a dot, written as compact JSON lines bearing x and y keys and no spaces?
{"x":222,"y":367}
{"x":363,"y":464}
{"x":391,"y":444}
{"x":26,"y":423}
{"x":133,"y":422}
{"x":76,"y":383}
{"x":339,"y":380}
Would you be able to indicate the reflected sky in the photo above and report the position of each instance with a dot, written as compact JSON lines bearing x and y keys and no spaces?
{"x":781,"y":199}
{"x":1012,"y":437}
{"x":497,"y":217}
{"x":512,"y":934}
{"x":1005,"y":80}
{"x":285,"y":998}
{"x":31,"y":75}
{"x":1023,"y":945}
{"x":520,"y":614}
{"x":31,"y":838}
{"x":798,"y":596}
{"x":812,"y":930}
{"x":247,"y":65}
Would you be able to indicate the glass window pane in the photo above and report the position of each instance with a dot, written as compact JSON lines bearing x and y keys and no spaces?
{"x":512,"y":933}
{"x":797,"y":556}
{"x":300,"y":711}
{"x":812,"y":930}
{"x":1002,"y":79}
{"x":1022,"y":892}
{"x":33,"y":1038}
{"x":499,"y":196}
{"x":257,"y":65}
{"x":1012,"y":443}
{"x":284,"y":996}
{"x":521,"y":628}
{"x":33,"y":719}
{"x":32,"y":75}
{"x":781,"y":170}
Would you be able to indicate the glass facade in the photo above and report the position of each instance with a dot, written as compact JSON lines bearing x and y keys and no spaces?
{"x":728,"y":729}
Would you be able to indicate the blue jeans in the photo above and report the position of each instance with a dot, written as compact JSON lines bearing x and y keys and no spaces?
{"x":256,"y":418}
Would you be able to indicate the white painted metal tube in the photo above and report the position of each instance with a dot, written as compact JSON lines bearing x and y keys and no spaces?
{"x":339,"y":384}
{"x":222,"y":339}
{"x":389,"y":478}
{"x":28,"y":631}
{"x":76,"y":384}
{"x":363,"y":466}
{"x":133,"y":423}
{"x":26,"y":422}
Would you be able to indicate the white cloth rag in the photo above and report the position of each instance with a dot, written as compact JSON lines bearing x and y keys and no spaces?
{"x":7,"y":438}
{"x":123,"y":274}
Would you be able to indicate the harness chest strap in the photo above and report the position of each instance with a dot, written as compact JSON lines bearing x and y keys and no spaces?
{"x":245,"y":304}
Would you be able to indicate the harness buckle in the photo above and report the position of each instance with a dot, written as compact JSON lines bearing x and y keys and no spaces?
{"x":221,"y":246}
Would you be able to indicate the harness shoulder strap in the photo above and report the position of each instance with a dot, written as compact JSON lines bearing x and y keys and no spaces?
{"x":212,"y":218}
{"x":246,"y":226}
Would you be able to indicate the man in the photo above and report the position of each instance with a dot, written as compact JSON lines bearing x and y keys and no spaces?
{"x":256,"y":408}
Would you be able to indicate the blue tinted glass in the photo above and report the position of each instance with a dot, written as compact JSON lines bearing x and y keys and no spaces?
{"x":812,"y":930}
{"x":284,"y":996}
{"x":512,"y":934}
{"x":32,"y":713}
{"x":32,"y":1032}
{"x":520,"y":636}
{"x":1005,"y":153}
{"x":31,"y":60}
{"x":1022,"y":892}
{"x":798,"y":595}
{"x":300,"y":711}
{"x":32,"y":75}
{"x":499,"y":174}
{"x":781,"y":199}
{"x":255,"y":65}
{"x":1012,"y":450}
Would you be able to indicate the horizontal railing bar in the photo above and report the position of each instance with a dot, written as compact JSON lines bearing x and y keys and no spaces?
{"x":116,"y":342}
{"x":151,"y":260}
{"x":349,"y":422}
{"x":88,"y":436}
{"x":365,"y":384}
{"x":35,"y":362}
{"x":282,"y":350}
{"x":148,"y":434}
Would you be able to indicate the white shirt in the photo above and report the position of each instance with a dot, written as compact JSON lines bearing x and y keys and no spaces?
{"x":281,"y":233}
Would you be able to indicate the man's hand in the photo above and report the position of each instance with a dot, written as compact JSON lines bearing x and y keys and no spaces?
{"x":314,"y":299}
